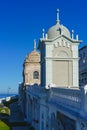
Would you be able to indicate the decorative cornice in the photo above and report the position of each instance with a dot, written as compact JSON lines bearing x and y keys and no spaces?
{"x":51,"y":40}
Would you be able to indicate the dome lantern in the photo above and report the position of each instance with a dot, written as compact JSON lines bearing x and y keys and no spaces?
{"x":58,"y":29}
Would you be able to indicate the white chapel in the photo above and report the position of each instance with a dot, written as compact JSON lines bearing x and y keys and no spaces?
{"x":59,"y":57}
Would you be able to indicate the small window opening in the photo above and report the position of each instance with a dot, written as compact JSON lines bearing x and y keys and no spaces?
{"x":36,"y":75}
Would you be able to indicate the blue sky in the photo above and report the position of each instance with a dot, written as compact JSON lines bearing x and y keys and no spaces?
{"x":21,"y":21}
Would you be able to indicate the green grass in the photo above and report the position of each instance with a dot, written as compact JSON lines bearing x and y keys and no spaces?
{"x":5,"y":110}
{"x":3,"y":126}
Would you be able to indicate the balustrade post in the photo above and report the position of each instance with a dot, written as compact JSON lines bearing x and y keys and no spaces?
{"x":84,"y":100}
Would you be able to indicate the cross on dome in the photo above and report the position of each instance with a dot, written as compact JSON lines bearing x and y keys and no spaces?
{"x":58,"y":20}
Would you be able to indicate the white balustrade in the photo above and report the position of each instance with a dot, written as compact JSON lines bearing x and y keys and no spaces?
{"x":67,"y":97}
{"x":72,"y":98}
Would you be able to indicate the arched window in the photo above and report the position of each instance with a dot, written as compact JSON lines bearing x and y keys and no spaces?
{"x":36,"y":75}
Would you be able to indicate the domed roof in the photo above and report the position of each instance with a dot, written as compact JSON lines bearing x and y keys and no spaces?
{"x":34,"y":56}
{"x":58,"y":30}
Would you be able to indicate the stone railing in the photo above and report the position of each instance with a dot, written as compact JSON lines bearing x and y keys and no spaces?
{"x":36,"y":90}
{"x":70,"y":97}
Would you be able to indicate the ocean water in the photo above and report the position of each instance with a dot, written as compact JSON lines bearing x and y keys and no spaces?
{"x":6,"y":95}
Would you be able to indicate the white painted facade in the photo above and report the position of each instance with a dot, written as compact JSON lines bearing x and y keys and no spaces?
{"x":58,"y":103}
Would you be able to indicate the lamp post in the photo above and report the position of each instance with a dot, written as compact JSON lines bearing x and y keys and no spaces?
{"x":8,"y":91}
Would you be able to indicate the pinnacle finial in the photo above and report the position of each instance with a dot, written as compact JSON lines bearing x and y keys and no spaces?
{"x":43,"y":31}
{"x":58,"y":20}
{"x":34,"y":44}
{"x":77,"y":37}
{"x":72,"y":34}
